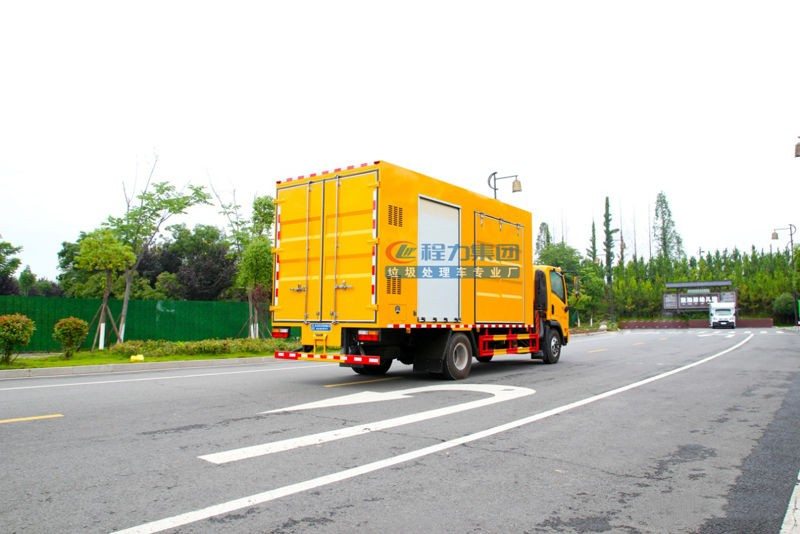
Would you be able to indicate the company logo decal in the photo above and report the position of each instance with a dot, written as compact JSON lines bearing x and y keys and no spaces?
{"x":401,"y":252}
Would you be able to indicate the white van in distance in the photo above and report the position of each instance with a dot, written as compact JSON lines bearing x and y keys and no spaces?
{"x":722,"y":314}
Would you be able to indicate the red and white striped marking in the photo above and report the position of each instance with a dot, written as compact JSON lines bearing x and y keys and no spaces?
{"x":338,"y":169}
{"x":353,"y":359}
{"x":277,"y":256}
{"x":458,"y":326}
{"x":375,"y":246}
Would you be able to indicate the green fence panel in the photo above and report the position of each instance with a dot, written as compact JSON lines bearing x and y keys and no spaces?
{"x":147,"y":319}
{"x":174,"y":320}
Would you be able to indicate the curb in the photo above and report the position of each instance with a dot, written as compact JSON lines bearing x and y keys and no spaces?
{"x":129,"y":367}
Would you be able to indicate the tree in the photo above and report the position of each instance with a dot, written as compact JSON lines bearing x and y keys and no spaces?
{"x":561,"y":255}
{"x":591,"y":252}
{"x":203,"y":263}
{"x":101,"y":252}
{"x":263,"y":215}
{"x":142,"y":222}
{"x":46,"y":288}
{"x":608,"y":248}
{"x":668,"y":242}
{"x":8,"y":266}
{"x":255,"y":249}
{"x":27,"y":280}
{"x":591,"y":297}
{"x":70,"y":277}
{"x":543,"y":239}
{"x":255,"y":274}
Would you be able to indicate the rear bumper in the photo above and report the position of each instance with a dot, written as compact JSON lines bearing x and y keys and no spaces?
{"x":347,"y":359}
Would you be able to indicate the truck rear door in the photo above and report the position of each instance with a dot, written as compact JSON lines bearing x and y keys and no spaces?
{"x":326,"y":259}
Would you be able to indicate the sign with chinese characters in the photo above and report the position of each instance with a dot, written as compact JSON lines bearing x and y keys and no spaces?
{"x":696,"y":301}
{"x":448,"y":271}
{"x":409,"y":260}
{"x":406,"y":251}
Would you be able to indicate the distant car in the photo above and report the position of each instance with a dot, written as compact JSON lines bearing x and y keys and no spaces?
{"x":722,"y":315}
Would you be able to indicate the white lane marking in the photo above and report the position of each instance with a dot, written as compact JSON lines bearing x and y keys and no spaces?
{"x":791,"y":521}
{"x":151,"y":378}
{"x":499,"y":394}
{"x":291,"y":489}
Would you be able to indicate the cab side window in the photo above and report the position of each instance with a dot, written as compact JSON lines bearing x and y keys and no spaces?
{"x":557,"y":285}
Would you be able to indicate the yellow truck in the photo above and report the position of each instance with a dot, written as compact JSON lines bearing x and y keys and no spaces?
{"x":389,"y":264}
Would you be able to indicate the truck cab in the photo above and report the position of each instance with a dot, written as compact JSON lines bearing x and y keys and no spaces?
{"x":552,"y":309}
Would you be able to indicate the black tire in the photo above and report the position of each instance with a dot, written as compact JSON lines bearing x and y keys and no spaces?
{"x":374,"y":370}
{"x":387,"y":355}
{"x":551,"y":348}
{"x":457,"y":357}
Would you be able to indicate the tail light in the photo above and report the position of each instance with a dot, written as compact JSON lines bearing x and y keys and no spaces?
{"x":280,"y":332}
{"x":368,"y":335}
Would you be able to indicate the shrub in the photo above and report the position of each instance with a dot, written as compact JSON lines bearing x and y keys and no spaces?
{"x":70,"y":332}
{"x":783,"y":309}
{"x":16,"y":331}
{"x":204,"y":347}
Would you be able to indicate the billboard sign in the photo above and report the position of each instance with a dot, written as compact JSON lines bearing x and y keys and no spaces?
{"x":696,"y":301}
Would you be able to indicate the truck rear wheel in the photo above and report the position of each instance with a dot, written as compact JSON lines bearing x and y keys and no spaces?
{"x":551,"y":348}
{"x":457,"y":357}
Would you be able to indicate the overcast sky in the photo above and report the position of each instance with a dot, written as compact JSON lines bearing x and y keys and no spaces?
{"x":581,"y":99}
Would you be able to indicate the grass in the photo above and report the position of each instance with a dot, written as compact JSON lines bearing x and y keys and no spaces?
{"x":154,"y":351}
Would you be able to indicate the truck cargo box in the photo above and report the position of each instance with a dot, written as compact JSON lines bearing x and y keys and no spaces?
{"x":445,"y":254}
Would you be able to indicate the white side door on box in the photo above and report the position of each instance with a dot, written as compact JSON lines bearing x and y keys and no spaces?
{"x":438,"y":297}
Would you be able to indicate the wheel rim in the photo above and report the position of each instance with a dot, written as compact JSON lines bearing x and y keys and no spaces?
{"x":460,"y":356}
{"x":555,"y":346}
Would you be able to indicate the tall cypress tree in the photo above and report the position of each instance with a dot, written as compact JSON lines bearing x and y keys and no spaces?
{"x":591,"y":252}
{"x":608,"y":248}
{"x":544,"y":239}
{"x":667,"y":238}
{"x":608,"y":242}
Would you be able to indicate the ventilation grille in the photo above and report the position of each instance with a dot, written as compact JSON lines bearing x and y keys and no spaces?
{"x":393,"y":286}
{"x":395,"y":216}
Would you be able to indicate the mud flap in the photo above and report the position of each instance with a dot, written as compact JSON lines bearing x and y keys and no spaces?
{"x":429,"y":349}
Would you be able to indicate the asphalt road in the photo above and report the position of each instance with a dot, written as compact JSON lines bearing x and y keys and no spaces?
{"x":641,"y":431}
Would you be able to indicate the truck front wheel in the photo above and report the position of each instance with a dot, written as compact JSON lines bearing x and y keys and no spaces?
{"x":551,"y":348}
{"x":457,"y":357}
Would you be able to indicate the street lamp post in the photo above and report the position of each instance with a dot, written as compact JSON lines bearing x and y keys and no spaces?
{"x":792,"y":229}
{"x":516,"y":187}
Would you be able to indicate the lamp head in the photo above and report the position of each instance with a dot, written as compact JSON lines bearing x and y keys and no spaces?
{"x":516,"y":187}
